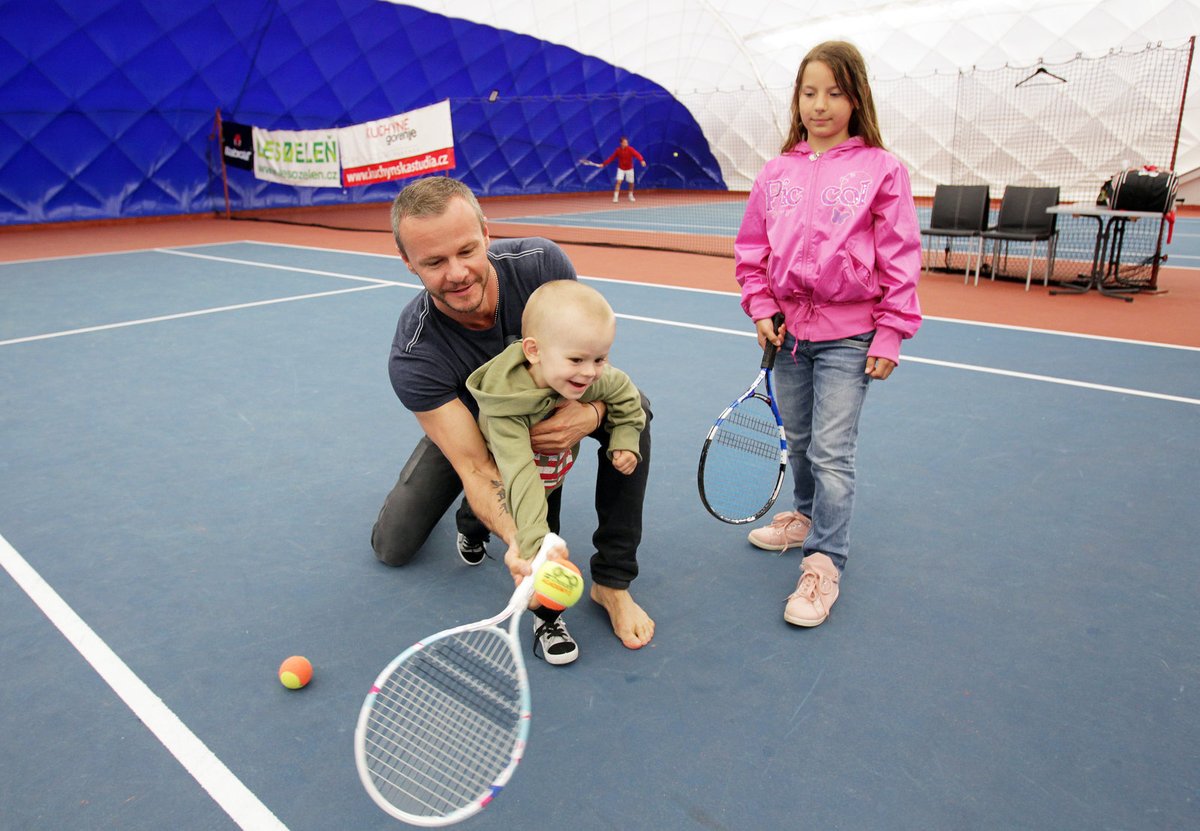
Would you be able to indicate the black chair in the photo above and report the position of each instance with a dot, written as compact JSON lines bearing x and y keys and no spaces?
{"x":959,"y":212}
{"x":1023,"y":218}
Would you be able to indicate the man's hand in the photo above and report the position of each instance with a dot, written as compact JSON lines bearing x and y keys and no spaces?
{"x":516,"y":566}
{"x":520,"y":568}
{"x":571,"y":421}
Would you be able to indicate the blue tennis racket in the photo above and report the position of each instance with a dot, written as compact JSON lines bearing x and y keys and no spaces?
{"x":745,"y":454}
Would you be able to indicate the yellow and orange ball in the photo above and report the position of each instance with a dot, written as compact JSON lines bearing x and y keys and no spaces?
{"x":295,"y":672}
{"x":558,"y":584}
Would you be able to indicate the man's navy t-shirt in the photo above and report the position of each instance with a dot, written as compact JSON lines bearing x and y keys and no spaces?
{"x":432,"y":355}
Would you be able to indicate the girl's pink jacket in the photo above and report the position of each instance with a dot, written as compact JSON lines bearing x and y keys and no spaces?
{"x":832,"y":241}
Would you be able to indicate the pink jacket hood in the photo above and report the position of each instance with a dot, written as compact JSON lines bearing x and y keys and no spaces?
{"x":832,"y":240}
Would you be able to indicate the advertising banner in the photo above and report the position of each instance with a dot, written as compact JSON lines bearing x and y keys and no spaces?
{"x":301,"y":158}
{"x":409,"y":144}
{"x":237,"y":144}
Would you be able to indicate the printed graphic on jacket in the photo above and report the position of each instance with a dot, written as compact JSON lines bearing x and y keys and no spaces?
{"x":849,"y":193}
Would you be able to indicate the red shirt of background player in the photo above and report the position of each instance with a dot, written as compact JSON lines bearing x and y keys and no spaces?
{"x":625,"y":156}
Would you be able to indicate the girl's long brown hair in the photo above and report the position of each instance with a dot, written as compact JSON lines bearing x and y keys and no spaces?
{"x":850,"y":72}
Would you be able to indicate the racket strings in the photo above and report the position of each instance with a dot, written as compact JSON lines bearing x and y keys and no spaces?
{"x":740,"y":471}
{"x":439,"y":784}
{"x":420,"y":774}
{"x":748,"y":444}
{"x":753,"y":420}
{"x":487,"y":679}
{"x":445,"y":724}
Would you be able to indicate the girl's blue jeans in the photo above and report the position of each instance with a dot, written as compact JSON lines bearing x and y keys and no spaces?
{"x":820,"y":392}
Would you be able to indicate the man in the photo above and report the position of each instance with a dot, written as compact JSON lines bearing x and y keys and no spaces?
{"x":475,"y":293}
{"x":624,"y":156}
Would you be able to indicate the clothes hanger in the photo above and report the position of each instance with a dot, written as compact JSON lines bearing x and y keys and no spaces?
{"x":1038,"y":73}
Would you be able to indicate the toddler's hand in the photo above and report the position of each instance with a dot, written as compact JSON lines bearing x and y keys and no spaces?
{"x":624,"y":461}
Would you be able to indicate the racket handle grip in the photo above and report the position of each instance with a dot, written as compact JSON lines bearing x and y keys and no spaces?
{"x":770,"y":349}
{"x":525,"y":591}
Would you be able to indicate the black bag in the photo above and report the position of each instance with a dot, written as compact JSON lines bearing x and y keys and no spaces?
{"x":1140,"y":189}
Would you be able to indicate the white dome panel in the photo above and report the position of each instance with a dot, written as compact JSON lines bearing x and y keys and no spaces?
{"x":694,"y":47}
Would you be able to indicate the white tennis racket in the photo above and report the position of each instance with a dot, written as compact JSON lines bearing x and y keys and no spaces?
{"x":445,"y":723}
{"x":590,"y":163}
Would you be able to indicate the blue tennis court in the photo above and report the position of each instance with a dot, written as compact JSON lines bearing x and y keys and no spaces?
{"x":717,"y":218}
{"x":196,"y":441}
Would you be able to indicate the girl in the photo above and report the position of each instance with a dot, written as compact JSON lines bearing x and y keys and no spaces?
{"x":830,"y":239}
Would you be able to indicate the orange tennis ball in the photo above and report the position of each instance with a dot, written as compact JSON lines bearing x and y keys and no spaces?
{"x":295,"y":672}
{"x":558,"y":584}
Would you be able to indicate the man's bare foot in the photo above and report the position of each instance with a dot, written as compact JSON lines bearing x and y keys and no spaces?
{"x":630,"y":622}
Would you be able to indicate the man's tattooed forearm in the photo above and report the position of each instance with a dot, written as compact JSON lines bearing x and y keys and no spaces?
{"x":500,"y":500}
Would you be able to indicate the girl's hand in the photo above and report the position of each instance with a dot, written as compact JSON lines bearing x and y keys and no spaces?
{"x":880,"y":368}
{"x":766,"y":332}
{"x":624,"y":461}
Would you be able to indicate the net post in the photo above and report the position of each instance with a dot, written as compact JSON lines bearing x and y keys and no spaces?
{"x":221,"y":153}
{"x":1187,"y":74}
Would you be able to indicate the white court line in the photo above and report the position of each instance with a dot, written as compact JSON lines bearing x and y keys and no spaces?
{"x":121,"y":325}
{"x":254,"y":263}
{"x":229,"y":792}
{"x":394,"y":256}
{"x":617,"y":225}
{"x":1062,"y":334}
{"x":373,"y":281}
{"x":58,"y":257}
{"x":1048,"y":379}
{"x":378,"y":283}
{"x":959,"y":321}
{"x":617,"y":281}
{"x":242,"y":806}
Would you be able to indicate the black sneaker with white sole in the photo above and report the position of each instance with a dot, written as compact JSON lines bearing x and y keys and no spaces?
{"x":473,"y":552}
{"x":556,"y":644}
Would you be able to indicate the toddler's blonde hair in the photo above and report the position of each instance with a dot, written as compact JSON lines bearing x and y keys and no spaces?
{"x":563,"y":302}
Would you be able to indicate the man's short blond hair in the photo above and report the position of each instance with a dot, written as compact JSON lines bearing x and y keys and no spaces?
{"x":430,"y":197}
{"x":561,"y":300}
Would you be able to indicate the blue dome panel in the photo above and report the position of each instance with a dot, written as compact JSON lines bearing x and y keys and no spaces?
{"x":107,"y":111}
